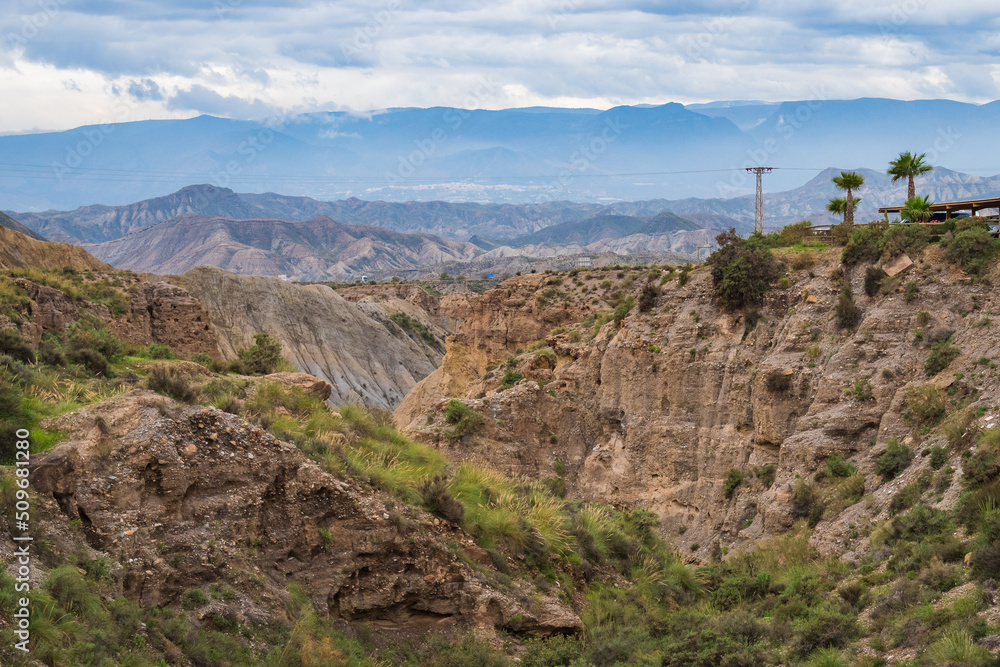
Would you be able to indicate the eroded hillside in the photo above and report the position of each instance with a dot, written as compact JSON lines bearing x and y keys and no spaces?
{"x":659,"y":409}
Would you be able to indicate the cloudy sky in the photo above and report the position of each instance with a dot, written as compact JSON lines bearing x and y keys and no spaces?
{"x":66,"y":63}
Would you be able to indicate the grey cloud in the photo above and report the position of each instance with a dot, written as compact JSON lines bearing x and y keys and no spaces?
{"x":146,"y":89}
{"x":201,"y":99}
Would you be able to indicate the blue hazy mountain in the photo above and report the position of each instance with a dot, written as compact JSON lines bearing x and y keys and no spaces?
{"x":534,"y":155}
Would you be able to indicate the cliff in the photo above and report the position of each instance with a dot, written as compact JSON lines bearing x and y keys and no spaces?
{"x":359,"y":350}
{"x":657,"y":411}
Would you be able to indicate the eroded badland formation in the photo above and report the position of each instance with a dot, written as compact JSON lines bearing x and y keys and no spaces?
{"x":608,"y":459}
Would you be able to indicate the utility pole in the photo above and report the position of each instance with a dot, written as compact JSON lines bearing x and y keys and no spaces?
{"x":758,"y":214}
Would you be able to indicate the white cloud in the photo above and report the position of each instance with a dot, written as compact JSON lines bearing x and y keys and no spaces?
{"x":180,"y":57}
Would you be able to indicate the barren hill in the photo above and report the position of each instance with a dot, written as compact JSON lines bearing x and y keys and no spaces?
{"x":318,"y":249}
{"x":19,"y":251}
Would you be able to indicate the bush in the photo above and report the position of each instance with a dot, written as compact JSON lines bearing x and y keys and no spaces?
{"x":873,"y":280}
{"x":436,"y":497}
{"x":942,"y":354}
{"x":12,"y":343}
{"x":733,"y":479}
{"x":623,"y":309}
{"x":92,"y":360}
{"x":939,"y":456}
{"x":466,"y":420}
{"x":510,"y":378}
{"x":861,"y":390}
{"x":895,"y":460}
{"x":766,"y":474}
{"x":863,"y":246}
{"x":899,"y":239}
{"x":926,"y":403}
{"x":848,"y":313}
{"x":647,"y":298}
{"x":742,"y":269}
{"x":261,"y":358}
{"x":970,"y":248}
{"x":776,"y":381}
{"x":806,"y":503}
{"x":912,"y":288}
{"x":165,"y":379}
{"x":837,"y":466}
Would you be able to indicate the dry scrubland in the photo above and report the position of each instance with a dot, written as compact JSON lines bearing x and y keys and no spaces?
{"x":644,"y":466}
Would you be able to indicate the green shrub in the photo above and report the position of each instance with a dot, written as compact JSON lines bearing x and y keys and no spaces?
{"x":166,"y":379}
{"x":894,"y":460}
{"x":848,"y":313}
{"x":837,"y":466}
{"x":904,"y":498}
{"x":926,"y":403}
{"x":466,"y":420}
{"x":733,"y":479}
{"x":261,"y":358}
{"x":766,"y":474}
{"x":436,"y":497}
{"x":92,"y":360}
{"x":899,"y":239}
{"x":863,"y":246}
{"x":12,"y":343}
{"x":623,"y":309}
{"x":806,"y":502}
{"x":647,"y":298}
{"x":970,"y":248}
{"x":912,"y":288}
{"x":742,"y":269}
{"x":939,"y":456}
{"x":510,"y":378}
{"x":861,"y":390}
{"x":942,"y":354}
{"x":159,"y":351}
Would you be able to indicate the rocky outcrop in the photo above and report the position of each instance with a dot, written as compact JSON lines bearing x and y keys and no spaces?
{"x":655,"y":412}
{"x":179,"y":320}
{"x":190,"y":496}
{"x":366,"y":360}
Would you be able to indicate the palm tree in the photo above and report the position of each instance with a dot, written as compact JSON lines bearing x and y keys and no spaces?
{"x":916,"y":209}
{"x":837,"y":206}
{"x":849,"y":180}
{"x":908,"y":165}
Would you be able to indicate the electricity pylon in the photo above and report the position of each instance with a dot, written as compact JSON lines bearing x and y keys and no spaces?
{"x":758,"y":214}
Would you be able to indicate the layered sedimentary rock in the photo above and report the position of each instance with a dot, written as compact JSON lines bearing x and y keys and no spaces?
{"x":655,"y":411}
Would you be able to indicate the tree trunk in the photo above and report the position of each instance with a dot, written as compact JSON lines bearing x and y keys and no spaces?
{"x":849,"y":209}
{"x":911,"y":191}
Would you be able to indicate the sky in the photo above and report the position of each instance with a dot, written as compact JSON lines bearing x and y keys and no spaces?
{"x":66,"y":63}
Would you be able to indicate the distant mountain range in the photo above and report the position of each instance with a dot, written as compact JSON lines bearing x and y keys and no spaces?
{"x":318,"y":249}
{"x":10,"y":223}
{"x":508,"y":156}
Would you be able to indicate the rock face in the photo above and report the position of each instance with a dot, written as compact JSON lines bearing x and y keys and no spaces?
{"x":179,"y":318}
{"x":153,"y":313}
{"x":190,"y":496}
{"x":367,"y":360}
{"x":655,"y":412}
